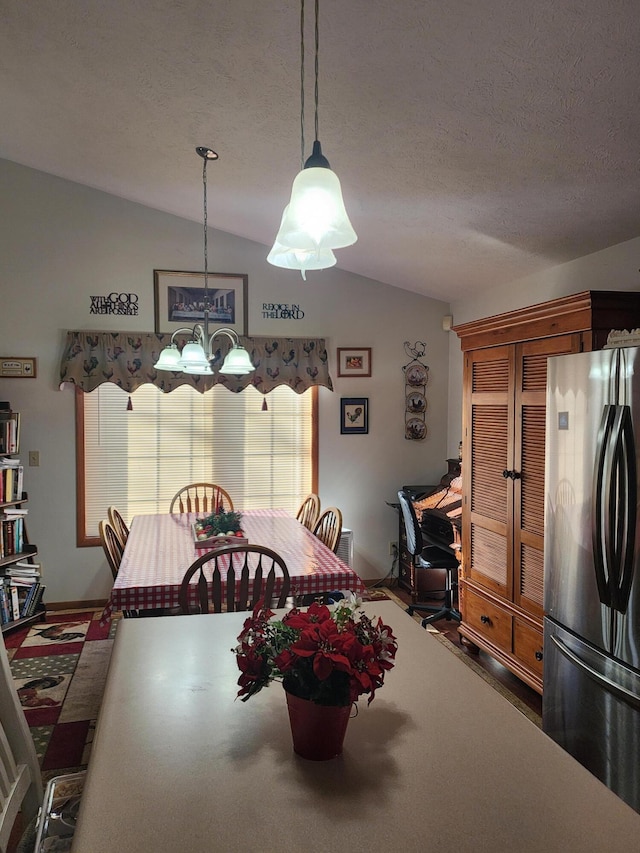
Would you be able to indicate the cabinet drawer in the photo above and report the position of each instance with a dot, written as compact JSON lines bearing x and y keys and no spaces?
{"x":527,"y":645}
{"x":489,"y":619}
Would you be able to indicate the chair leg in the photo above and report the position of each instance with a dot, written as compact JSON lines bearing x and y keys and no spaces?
{"x":445,"y":611}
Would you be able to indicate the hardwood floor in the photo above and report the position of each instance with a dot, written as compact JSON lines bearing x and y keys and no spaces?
{"x":450,"y":629}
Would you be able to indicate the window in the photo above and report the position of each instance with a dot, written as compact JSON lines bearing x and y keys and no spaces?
{"x":138,"y":459}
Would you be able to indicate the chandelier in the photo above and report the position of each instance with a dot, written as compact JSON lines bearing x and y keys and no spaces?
{"x":315,"y":221}
{"x":197,"y":354}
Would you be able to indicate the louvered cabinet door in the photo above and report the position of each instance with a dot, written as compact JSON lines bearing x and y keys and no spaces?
{"x":528,"y":465}
{"x":487,"y":503}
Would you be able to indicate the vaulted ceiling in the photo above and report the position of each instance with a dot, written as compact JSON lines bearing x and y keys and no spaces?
{"x":476,"y":142}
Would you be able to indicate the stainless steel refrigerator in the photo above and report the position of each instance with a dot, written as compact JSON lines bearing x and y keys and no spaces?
{"x":591,"y":698}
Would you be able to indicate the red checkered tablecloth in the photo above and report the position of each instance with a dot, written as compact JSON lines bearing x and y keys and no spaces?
{"x":160,"y":549}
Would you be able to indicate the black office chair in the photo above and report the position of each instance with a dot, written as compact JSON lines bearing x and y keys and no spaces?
{"x":431,"y":557}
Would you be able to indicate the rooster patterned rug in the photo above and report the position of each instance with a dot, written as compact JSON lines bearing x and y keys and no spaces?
{"x":59,"y":668}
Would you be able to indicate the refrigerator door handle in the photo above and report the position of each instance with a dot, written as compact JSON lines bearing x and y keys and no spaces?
{"x":601,"y":479}
{"x":614,"y":498}
{"x":624,"y":515}
{"x":618,"y":690}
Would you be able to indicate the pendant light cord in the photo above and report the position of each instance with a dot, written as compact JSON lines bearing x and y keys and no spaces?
{"x":315,"y":93}
{"x":301,"y":84}
{"x":316,"y":68}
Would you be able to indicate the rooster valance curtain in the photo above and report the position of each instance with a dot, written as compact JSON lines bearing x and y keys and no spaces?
{"x":127,"y":359}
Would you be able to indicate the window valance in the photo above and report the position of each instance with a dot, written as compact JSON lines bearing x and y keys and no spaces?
{"x":127,"y":359}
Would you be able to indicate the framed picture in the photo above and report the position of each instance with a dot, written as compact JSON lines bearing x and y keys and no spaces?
{"x":354,"y":415}
{"x":354,"y":361}
{"x":179,"y":300}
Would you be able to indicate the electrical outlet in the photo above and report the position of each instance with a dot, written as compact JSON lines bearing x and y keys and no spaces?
{"x":393,"y":549}
{"x":34,"y":458}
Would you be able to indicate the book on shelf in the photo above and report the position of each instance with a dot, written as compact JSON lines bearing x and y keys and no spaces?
{"x":11,"y":480}
{"x":36,"y":600}
{"x":31,"y":591}
{"x":23,"y":574}
{"x":26,"y":566}
{"x":4,"y":606}
{"x":9,"y":431}
{"x":14,"y":601}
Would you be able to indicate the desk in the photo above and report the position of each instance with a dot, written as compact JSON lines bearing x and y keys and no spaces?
{"x":438,"y":762}
{"x":160,"y":549}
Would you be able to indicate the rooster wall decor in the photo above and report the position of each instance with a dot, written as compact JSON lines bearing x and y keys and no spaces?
{"x":416,"y":378}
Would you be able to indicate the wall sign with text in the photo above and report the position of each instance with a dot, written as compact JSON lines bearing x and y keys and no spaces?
{"x":281,"y":311}
{"x":123,"y":304}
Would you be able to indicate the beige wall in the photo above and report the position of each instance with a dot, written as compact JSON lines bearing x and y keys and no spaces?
{"x":611,"y":269}
{"x":61,"y":243}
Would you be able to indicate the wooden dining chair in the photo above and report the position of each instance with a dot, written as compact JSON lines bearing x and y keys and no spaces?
{"x":309,"y":511}
{"x":119,"y":525}
{"x":329,"y":527}
{"x":201,"y":497}
{"x":232,"y":563}
{"x":113,"y":550}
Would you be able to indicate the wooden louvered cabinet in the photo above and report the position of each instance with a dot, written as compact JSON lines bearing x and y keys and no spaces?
{"x":504,"y":407}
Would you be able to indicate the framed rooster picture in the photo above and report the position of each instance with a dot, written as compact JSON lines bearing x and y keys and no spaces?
{"x":354,"y":415}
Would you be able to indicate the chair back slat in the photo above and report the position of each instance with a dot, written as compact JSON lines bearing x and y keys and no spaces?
{"x":242,"y":593}
{"x":203,"y":592}
{"x":241,"y":597}
{"x":258,"y":586}
{"x":230,"y":600}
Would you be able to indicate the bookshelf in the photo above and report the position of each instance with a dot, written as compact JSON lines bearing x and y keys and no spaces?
{"x":21,"y":586}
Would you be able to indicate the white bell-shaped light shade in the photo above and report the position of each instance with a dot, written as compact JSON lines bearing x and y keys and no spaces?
{"x":237,"y":362}
{"x":194,"y":360}
{"x":316,"y":217}
{"x":169,"y":359}
{"x":300,"y":259}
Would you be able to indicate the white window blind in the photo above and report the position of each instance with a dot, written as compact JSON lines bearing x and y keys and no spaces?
{"x":137,"y":460}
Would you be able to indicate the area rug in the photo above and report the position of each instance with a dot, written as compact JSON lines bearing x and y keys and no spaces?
{"x":59,"y":668}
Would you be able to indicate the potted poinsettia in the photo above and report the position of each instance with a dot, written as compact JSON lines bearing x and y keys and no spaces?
{"x":325,"y":658}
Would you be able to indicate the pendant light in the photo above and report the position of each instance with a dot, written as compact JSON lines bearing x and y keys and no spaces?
{"x":197,"y":354}
{"x":315,"y":221}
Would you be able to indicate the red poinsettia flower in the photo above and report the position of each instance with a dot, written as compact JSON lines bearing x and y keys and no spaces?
{"x":315,"y":614}
{"x":252,"y":668}
{"x":325,"y":645}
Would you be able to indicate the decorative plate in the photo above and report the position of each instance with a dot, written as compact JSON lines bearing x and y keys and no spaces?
{"x":417,"y":375}
{"x":416,"y":403}
{"x":415,"y":429}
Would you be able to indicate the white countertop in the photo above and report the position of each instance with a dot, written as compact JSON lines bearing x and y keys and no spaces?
{"x":439,"y":761}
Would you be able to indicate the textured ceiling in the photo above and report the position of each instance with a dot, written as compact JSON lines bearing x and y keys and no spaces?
{"x":475,"y":142}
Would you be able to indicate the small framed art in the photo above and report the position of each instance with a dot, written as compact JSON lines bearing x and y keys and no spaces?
{"x":354,"y":415}
{"x":354,"y":361}
{"x":179,"y":300}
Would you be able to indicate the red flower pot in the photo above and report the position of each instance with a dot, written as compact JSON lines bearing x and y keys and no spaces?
{"x":317,"y":730}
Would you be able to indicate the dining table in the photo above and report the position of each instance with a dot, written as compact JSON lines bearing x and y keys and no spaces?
{"x":161,"y":547}
{"x":439,"y":761}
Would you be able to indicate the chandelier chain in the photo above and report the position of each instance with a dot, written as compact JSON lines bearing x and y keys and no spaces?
{"x":206,"y":252}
